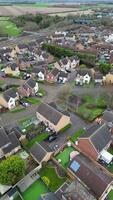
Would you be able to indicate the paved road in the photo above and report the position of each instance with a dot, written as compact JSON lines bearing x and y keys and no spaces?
{"x":13,"y":81}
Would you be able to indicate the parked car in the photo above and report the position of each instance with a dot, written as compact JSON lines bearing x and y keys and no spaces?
{"x":25,"y":104}
{"x":52,"y":138}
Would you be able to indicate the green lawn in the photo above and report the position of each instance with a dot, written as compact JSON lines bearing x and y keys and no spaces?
{"x":54,"y":180}
{"x":77,"y":134}
{"x":39,"y":138}
{"x":91,"y":108}
{"x":65,"y":156}
{"x":110,"y":195}
{"x":35,"y":190}
{"x":16,"y":110}
{"x":9,"y":28}
{"x":32,"y":100}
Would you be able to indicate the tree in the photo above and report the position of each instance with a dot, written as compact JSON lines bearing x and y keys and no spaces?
{"x":12,"y":170}
{"x":64,"y":93}
{"x":104,"y":68}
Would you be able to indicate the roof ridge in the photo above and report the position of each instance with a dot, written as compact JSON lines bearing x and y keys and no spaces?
{"x":54,"y":108}
{"x":41,"y":146}
{"x":97,"y":130}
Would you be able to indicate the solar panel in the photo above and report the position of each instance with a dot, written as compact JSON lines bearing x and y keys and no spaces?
{"x":75,"y":166}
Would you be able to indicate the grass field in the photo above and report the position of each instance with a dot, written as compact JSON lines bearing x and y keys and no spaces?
{"x":39,"y":5}
{"x":92,"y":108}
{"x":35,"y":190}
{"x":8,"y":28}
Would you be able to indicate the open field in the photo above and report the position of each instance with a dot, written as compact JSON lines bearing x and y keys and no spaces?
{"x":19,"y":10}
{"x":79,"y":12}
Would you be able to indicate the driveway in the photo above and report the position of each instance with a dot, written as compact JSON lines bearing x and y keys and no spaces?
{"x":77,"y":123}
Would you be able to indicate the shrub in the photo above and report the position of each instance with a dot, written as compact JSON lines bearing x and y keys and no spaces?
{"x":65,"y":128}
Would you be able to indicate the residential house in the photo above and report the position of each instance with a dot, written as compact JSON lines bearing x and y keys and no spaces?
{"x":12,"y":69}
{"x":40,"y":154}
{"x":39,"y":73}
{"x":20,"y":48}
{"x":24,"y":63}
{"x":9,"y":143}
{"x":62,"y":77}
{"x":74,"y":62}
{"x":79,"y":46}
{"x":52,"y":117}
{"x":98,"y":78}
{"x":52,"y":76}
{"x":109,"y":77}
{"x":63,"y":64}
{"x":96,"y":139}
{"x":107,"y":117}
{"x":95,"y":179}
{"x":44,"y":56}
{"x":30,"y":88}
{"x":83,"y":76}
{"x":77,"y":191}
{"x":9,"y":99}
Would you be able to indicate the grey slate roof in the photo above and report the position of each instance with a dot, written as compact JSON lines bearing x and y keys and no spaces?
{"x":99,"y":135}
{"x":30,"y":83}
{"x":38,"y":152}
{"x":14,"y":143}
{"x":9,"y":93}
{"x":98,"y":76}
{"x":63,"y":74}
{"x":83,"y":72}
{"x":108,"y":116}
{"x":3,"y":138}
{"x":50,"y":113}
{"x":17,"y":131}
{"x":13,"y":66}
{"x":36,"y":70}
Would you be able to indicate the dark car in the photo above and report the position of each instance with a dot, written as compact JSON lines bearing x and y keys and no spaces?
{"x":52,"y":138}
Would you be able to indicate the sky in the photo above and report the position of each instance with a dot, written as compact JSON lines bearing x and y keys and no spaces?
{"x":59,"y":1}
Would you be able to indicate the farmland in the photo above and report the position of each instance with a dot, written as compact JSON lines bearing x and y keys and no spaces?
{"x":19,"y":10}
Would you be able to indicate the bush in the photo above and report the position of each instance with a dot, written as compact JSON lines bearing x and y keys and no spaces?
{"x":46,"y":180}
{"x":65,"y":128}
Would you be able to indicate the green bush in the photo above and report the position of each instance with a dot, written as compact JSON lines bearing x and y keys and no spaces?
{"x":65,"y":128}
